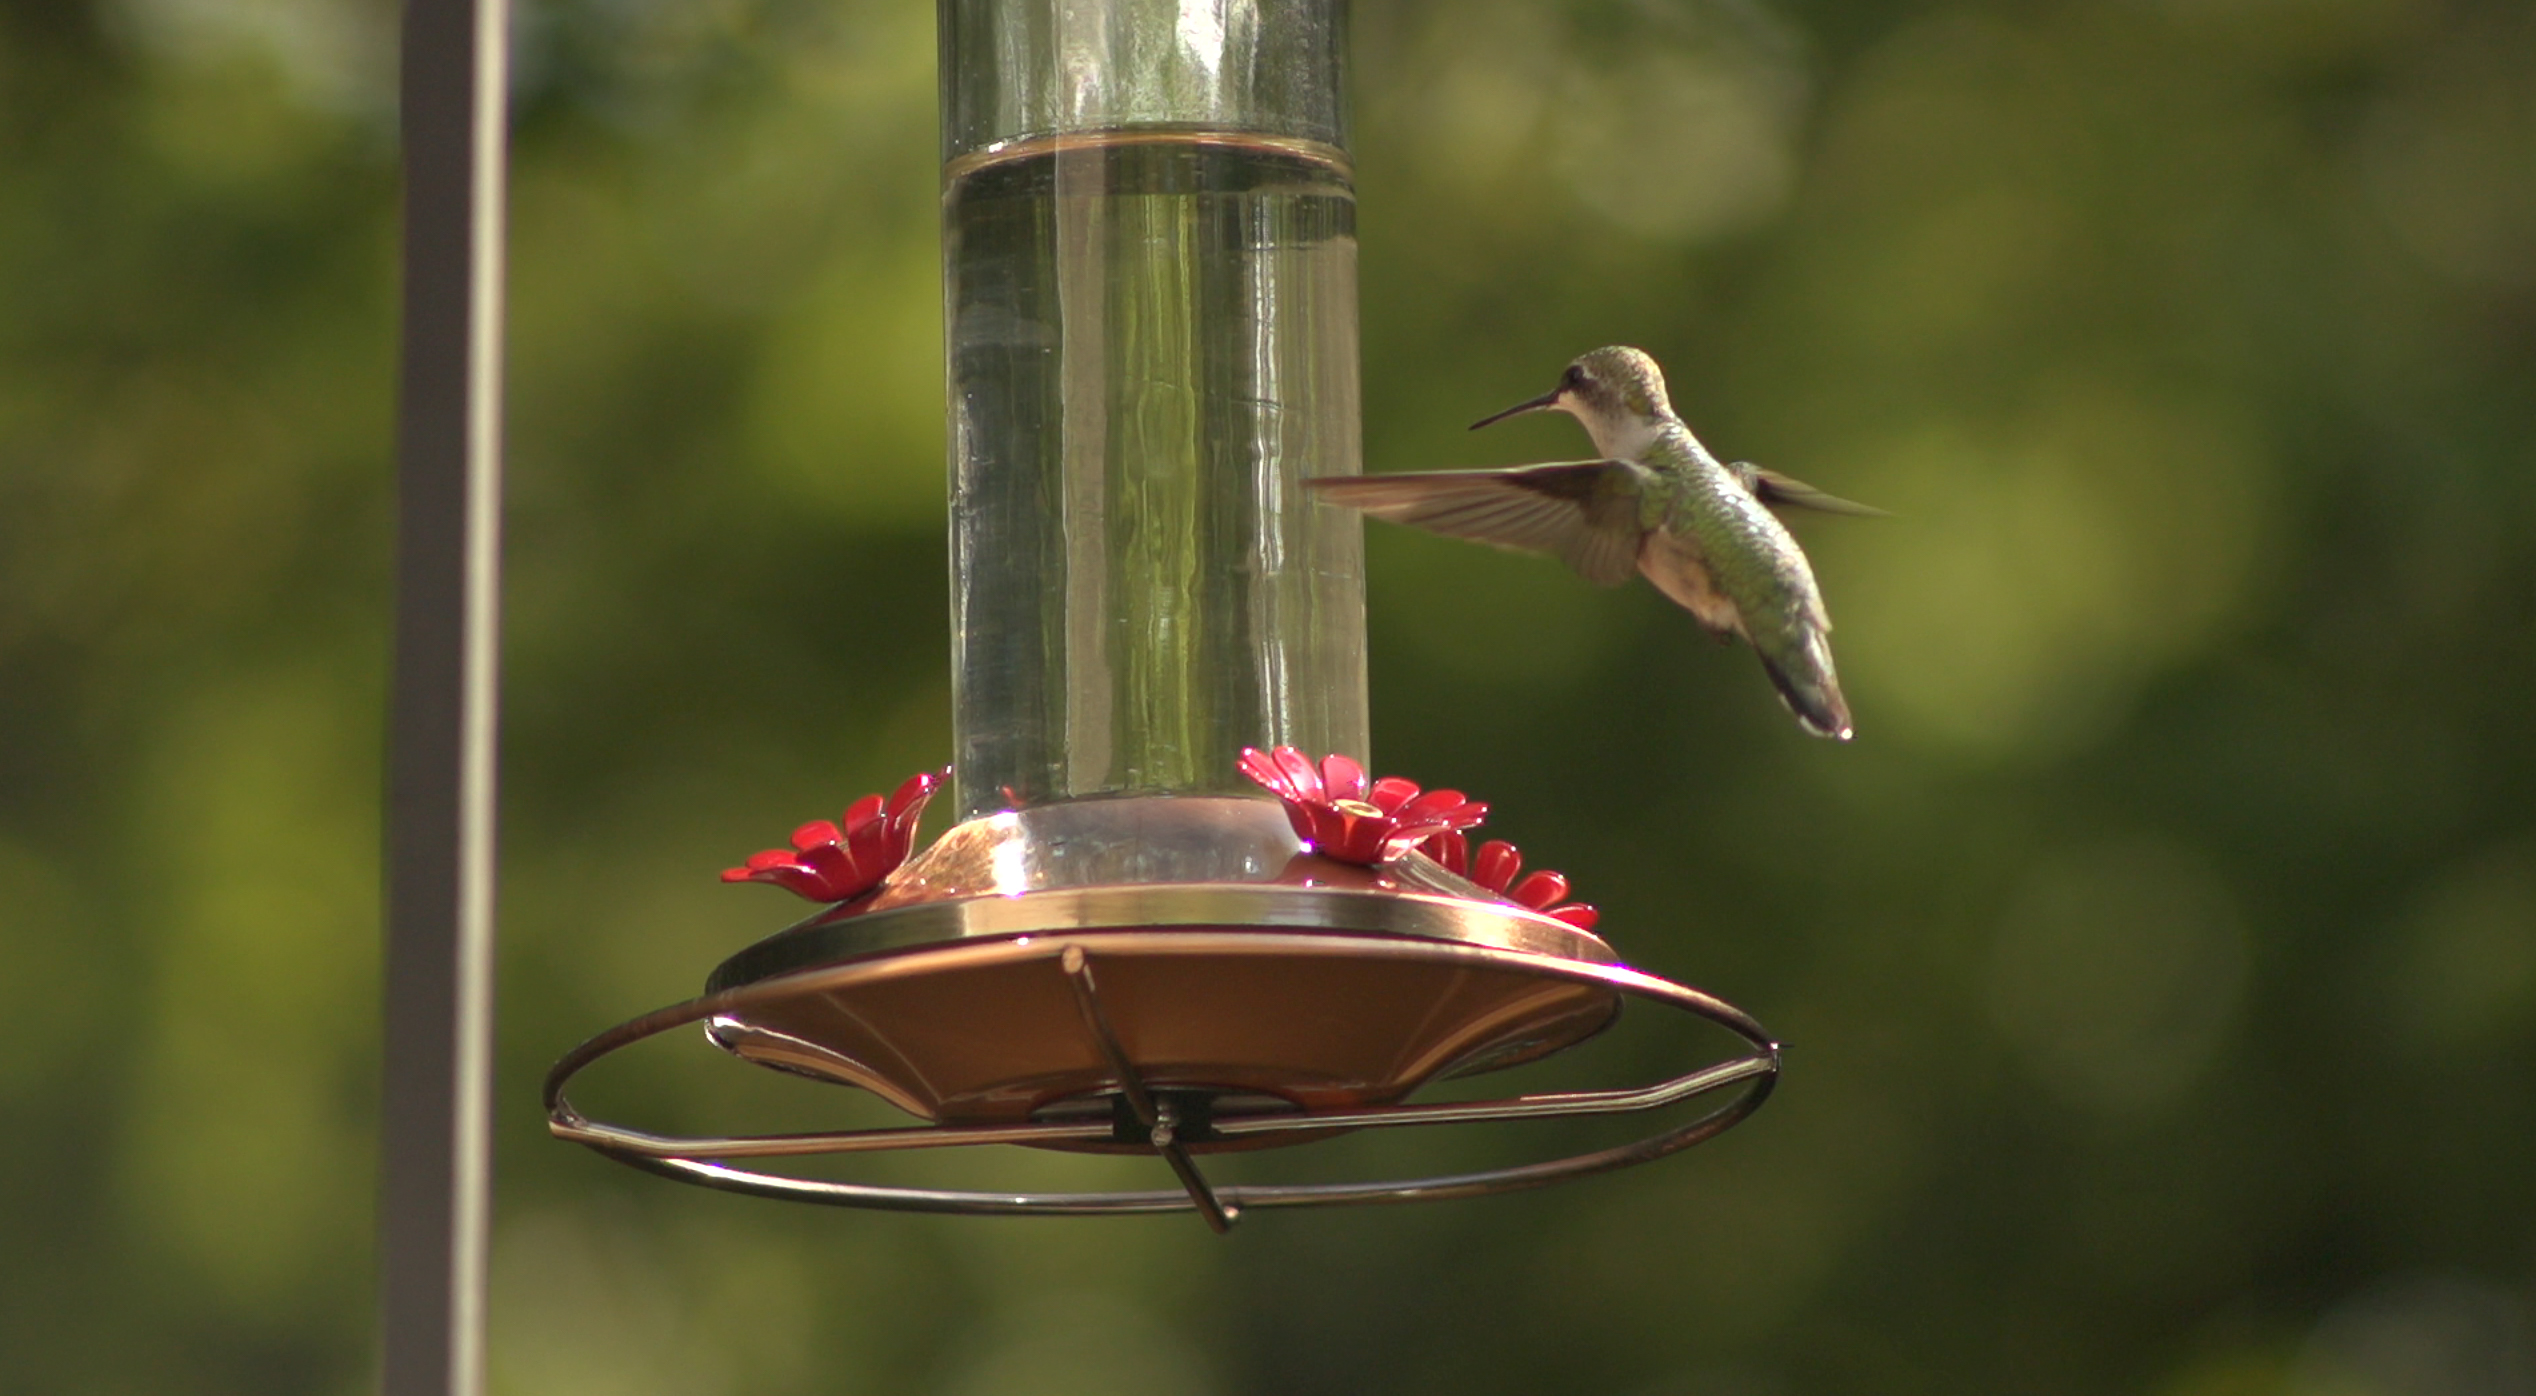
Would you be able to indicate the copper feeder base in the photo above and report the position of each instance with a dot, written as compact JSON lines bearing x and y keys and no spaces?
{"x":1173,"y":975}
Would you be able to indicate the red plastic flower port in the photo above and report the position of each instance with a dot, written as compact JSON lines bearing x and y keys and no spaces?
{"x":1343,"y":816}
{"x":828,"y":864}
{"x":1495,"y":869}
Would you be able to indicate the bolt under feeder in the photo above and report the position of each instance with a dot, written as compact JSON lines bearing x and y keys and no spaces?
{"x":1149,"y":250}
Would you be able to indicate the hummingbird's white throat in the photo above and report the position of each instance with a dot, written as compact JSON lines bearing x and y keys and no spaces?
{"x":1618,"y":432}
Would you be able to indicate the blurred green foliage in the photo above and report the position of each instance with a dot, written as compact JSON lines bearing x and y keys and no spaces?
{"x":2159,"y":966}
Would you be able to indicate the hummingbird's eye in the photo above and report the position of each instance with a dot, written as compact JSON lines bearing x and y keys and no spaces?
{"x":1575,"y":377}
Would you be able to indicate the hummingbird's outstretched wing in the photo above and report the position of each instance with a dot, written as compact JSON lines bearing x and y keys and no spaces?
{"x":1781,"y":492}
{"x":1585,"y":512}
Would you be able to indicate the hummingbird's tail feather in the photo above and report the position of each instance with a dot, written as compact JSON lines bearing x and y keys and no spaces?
{"x":1812,"y":692}
{"x":1781,"y":492}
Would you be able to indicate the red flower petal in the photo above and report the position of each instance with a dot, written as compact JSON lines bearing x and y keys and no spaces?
{"x":1391,"y":792}
{"x":1397,"y":843}
{"x":863,"y":813}
{"x":796,"y":881}
{"x":1450,"y":849}
{"x":1452,"y":812}
{"x":1326,"y":828}
{"x":1426,"y":807}
{"x":1341,"y":778}
{"x":905,"y":809}
{"x":830,"y":861}
{"x":1301,"y":817}
{"x":1576,"y":914}
{"x":1263,"y":769}
{"x":1539,"y":890}
{"x":1301,"y":779}
{"x":912,"y":794}
{"x":1496,"y":866}
{"x":815,"y":833}
{"x":1363,"y":841}
{"x":868,"y":850}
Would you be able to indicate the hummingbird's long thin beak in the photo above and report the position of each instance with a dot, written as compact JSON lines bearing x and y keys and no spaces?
{"x":1542,"y":403}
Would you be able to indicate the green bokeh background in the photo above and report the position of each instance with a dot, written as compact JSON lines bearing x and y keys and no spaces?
{"x":2159,"y":965}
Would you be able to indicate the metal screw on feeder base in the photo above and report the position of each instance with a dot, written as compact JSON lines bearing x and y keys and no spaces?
{"x":1149,"y":249}
{"x":1157,"y":1116}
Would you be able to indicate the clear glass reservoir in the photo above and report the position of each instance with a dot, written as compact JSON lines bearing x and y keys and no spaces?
{"x":1150,"y":261}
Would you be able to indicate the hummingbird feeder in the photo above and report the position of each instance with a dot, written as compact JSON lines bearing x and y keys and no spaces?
{"x":1120,"y":946}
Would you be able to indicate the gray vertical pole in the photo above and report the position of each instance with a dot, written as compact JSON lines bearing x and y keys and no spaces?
{"x":435,"y":1145}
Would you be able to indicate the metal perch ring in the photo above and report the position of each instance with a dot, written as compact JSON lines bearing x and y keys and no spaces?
{"x":1153,"y":1115}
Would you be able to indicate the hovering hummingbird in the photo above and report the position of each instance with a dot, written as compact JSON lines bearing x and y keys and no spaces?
{"x":1657,"y":502}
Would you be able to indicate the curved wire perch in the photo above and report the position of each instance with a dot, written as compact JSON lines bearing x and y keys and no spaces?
{"x":1764,"y":1070}
{"x":688,"y":1159}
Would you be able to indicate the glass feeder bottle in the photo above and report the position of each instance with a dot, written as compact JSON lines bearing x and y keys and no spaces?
{"x":1150,"y":306}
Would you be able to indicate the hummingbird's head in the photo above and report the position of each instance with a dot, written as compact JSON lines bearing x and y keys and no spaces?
{"x":1617,"y":392}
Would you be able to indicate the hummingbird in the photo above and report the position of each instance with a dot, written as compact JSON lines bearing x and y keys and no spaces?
{"x":1656,"y":502}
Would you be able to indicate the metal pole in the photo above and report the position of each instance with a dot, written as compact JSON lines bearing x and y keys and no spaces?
{"x":435,"y":1145}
